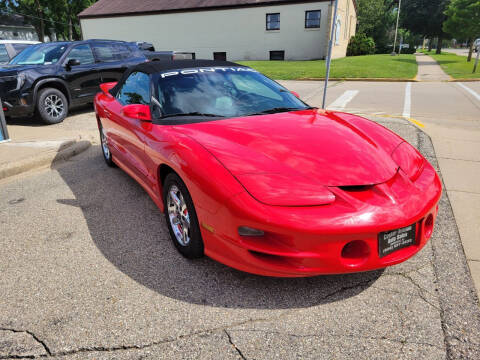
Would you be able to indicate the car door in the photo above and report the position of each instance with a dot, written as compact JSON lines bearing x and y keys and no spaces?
{"x":83,"y":79}
{"x":112,"y":60}
{"x":126,"y":135}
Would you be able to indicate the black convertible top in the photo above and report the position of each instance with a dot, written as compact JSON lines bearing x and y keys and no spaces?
{"x":153,"y":67}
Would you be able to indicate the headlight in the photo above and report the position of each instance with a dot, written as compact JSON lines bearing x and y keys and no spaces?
{"x":409,"y":160}
{"x":20,"y":81}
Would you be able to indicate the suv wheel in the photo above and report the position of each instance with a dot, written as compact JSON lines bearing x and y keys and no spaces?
{"x":52,"y":106}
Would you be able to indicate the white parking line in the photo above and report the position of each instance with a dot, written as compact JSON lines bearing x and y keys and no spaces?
{"x":343,"y":100}
{"x":407,"y":105}
{"x":472,"y":92}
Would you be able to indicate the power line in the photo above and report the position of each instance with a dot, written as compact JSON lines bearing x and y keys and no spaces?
{"x":31,"y":16}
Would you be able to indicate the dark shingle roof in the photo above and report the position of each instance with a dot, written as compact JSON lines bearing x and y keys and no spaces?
{"x":130,"y":7}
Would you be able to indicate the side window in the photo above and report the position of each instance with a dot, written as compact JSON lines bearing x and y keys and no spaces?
{"x":82,"y":53}
{"x":4,"y":54}
{"x":111,"y":52}
{"x":120,"y":52}
{"x":135,"y":90}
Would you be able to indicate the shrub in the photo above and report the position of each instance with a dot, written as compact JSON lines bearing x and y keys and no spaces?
{"x":360,"y":44}
{"x":410,"y":50}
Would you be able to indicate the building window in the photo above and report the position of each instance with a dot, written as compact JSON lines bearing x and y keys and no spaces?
{"x":221,"y":56}
{"x":277,"y":55}
{"x":273,"y":21}
{"x":312,"y":19}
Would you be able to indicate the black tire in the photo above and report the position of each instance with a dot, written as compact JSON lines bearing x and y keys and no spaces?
{"x":52,"y":106}
{"x":194,"y":248}
{"x":107,"y":154}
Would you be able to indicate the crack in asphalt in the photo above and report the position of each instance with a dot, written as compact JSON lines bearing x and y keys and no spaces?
{"x":234,"y":346}
{"x":355,"y":336}
{"x":422,"y":291}
{"x":35,"y":337}
{"x":87,"y":349}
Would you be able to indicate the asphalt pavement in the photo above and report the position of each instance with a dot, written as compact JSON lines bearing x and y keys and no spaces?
{"x":89,"y":272}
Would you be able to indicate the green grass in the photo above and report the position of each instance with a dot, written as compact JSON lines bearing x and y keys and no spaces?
{"x":369,"y":66}
{"x":456,"y":66}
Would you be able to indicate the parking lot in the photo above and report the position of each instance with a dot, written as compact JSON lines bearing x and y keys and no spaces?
{"x":89,"y":272}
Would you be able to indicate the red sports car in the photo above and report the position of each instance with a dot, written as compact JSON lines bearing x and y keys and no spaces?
{"x":251,"y":176}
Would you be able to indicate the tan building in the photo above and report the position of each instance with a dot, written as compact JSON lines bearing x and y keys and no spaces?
{"x":231,"y":29}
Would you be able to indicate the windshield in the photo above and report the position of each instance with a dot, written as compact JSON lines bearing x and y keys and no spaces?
{"x":43,"y":54}
{"x":221,"y":91}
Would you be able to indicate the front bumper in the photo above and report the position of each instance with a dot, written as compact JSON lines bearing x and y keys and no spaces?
{"x":308,"y":241}
{"x":18,"y":104}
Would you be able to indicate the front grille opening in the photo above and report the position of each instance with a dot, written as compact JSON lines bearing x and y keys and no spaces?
{"x":356,"y":188}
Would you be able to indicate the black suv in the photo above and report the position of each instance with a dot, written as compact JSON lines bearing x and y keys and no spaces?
{"x":49,"y":78}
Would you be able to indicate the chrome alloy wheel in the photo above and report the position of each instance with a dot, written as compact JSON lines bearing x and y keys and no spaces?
{"x":178,"y":215}
{"x":54,"y":106}
{"x":105,"y":149}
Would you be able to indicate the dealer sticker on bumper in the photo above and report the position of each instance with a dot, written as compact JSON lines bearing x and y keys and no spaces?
{"x":390,"y":241}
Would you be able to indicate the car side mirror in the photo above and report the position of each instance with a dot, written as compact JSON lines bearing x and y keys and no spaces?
{"x":137,"y":111}
{"x":73,"y":62}
{"x":296,"y":94}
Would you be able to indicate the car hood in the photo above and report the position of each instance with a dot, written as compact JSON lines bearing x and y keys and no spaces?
{"x":14,"y":69}
{"x":311,"y":148}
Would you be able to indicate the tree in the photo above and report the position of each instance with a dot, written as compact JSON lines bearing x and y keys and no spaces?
{"x":64,"y":13}
{"x":463,"y":21}
{"x":376,"y":20}
{"x":426,"y":18}
{"x":61,"y":15}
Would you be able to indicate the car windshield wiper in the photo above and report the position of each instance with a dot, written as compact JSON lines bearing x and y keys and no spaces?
{"x":194,"y":113}
{"x":280,"y":109}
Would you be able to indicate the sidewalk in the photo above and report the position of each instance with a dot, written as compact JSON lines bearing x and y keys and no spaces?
{"x":34,"y":145}
{"x":456,"y":145}
{"x":429,"y":70}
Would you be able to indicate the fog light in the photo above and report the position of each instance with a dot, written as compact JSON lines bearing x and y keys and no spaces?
{"x":428,"y":226}
{"x":355,"y":253}
{"x":248,"y":231}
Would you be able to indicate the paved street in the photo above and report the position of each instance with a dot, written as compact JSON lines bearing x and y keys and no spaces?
{"x":89,"y":272}
{"x":461,"y":52}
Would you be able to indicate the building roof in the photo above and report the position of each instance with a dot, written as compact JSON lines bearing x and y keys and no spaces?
{"x":108,"y":8}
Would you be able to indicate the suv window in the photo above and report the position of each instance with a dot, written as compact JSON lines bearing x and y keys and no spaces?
{"x":20,"y":47}
{"x":82,"y":53}
{"x":135,"y":90}
{"x":4,"y":54}
{"x":111,"y":52}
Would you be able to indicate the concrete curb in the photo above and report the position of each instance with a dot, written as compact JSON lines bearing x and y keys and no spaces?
{"x":464,"y":80}
{"x":358,"y":79}
{"x":65,"y":152}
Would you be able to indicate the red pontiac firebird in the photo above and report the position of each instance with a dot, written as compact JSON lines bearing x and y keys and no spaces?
{"x":251,"y":176}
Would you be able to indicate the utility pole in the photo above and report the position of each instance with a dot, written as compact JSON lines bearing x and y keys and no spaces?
{"x":329,"y":56}
{"x":396,"y":28}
